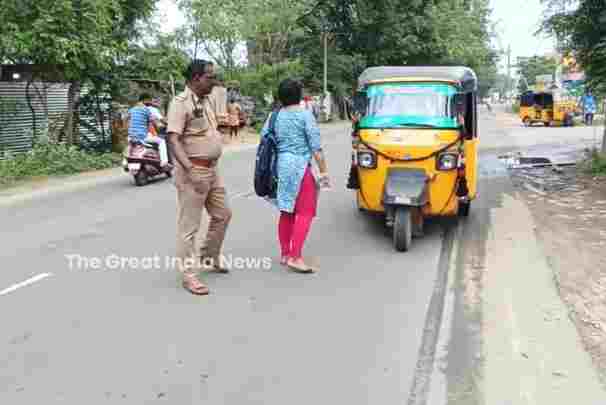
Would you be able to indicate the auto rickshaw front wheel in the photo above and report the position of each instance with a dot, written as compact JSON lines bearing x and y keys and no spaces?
{"x":402,"y":229}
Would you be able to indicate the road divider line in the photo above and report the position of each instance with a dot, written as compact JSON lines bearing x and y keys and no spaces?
{"x":25,"y":283}
{"x":242,"y":194}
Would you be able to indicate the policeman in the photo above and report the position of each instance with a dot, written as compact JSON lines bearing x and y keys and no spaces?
{"x":197,"y":146}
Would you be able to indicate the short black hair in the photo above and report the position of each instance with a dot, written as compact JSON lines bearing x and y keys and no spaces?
{"x":290,"y":92}
{"x":145,"y":96}
{"x":196,"y":67}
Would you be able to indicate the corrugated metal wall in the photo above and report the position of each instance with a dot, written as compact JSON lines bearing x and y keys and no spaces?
{"x":49,"y":102}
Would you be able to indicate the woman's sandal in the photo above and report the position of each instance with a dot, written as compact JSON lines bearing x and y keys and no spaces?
{"x":194,"y":286}
{"x":299,"y":269}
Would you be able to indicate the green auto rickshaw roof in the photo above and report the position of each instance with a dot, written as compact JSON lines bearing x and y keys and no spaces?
{"x":462,"y":77}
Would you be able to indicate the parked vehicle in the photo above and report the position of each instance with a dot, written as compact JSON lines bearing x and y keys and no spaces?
{"x":415,"y":145}
{"x":542,"y":107}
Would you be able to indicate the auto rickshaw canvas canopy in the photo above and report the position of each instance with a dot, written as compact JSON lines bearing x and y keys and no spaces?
{"x":464,"y":78}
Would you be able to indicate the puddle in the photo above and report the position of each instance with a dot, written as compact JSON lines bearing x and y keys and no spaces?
{"x":543,"y":170}
{"x":490,"y":166}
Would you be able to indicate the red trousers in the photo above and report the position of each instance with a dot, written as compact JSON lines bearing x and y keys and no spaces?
{"x":294,"y":228}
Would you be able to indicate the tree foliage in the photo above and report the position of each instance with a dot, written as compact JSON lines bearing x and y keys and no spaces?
{"x":262,"y":80}
{"x":581,"y":30}
{"x":81,"y":37}
{"x":81,"y":41}
{"x":530,"y":68}
{"x":402,"y":32}
{"x":214,"y":27}
{"x":161,"y":60}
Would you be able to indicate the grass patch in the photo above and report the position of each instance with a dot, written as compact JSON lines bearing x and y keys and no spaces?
{"x":53,"y":160}
{"x":595,"y":163}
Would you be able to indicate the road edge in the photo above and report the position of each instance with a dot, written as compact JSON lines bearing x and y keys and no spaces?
{"x":35,"y":189}
{"x":424,"y":370}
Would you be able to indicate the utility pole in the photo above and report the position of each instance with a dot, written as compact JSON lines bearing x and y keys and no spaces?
{"x":509,"y":69}
{"x":324,"y":99}
{"x":325,"y":62}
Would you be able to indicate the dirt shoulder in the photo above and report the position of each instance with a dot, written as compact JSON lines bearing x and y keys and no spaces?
{"x":571,"y":225}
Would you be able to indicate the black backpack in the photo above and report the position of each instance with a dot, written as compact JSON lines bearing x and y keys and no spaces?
{"x":266,"y":173}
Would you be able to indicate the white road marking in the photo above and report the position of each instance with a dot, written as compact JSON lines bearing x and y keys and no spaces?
{"x":25,"y":283}
{"x":242,"y":194}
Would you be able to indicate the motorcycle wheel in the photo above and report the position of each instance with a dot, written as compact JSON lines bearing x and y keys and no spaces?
{"x":141,"y":178}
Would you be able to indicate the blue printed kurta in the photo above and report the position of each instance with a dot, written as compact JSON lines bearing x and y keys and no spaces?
{"x":298,"y":138}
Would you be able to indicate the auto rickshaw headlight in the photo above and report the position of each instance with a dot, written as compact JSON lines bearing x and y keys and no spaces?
{"x":447,"y":161}
{"x":367,"y":159}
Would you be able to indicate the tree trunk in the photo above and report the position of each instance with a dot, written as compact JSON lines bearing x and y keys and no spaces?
{"x":73,"y":102}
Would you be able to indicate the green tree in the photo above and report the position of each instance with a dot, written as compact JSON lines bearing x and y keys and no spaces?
{"x":401,"y":32}
{"x":162,"y":59}
{"x":462,"y":37}
{"x":580,"y":30}
{"x":270,"y":27}
{"x":530,"y":68}
{"x":82,"y":39}
{"x":213,"y":27}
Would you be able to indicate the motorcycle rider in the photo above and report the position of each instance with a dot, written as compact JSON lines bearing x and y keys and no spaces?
{"x":141,"y":118}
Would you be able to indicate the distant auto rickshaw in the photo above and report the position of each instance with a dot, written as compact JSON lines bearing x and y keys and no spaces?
{"x":540,"y":107}
{"x":415,"y":145}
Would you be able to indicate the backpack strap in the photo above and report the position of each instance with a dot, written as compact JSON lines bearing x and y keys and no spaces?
{"x":272,"y":124}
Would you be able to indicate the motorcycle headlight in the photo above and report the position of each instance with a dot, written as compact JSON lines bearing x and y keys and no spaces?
{"x":367,"y":159}
{"x":447,"y":161}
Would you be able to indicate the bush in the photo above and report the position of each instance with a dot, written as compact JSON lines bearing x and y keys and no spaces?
{"x":53,"y":160}
{"x":595,"y":164}
{"x":515,"y":108}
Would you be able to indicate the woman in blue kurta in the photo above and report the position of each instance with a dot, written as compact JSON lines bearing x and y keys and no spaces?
{"x":298,"y":138}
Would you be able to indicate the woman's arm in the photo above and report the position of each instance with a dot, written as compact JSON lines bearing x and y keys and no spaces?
{"x":313,"y":136}
{"x":321,"y":161}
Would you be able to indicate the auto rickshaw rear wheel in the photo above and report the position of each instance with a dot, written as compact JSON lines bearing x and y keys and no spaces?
{"x":402,"y":229}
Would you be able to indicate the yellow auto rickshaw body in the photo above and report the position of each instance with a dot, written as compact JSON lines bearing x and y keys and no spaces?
{"x":415,"y":144}
{"x":546,"y":108}
{"x":441,"y":201}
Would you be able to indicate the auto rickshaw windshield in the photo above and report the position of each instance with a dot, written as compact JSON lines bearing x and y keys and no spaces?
{"x":395,"y":105}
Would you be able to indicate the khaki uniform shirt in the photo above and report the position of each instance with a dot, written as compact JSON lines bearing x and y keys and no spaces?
{"x":194,"y":119}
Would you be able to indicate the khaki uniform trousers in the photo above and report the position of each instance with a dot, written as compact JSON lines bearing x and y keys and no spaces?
{"x":204,"y":189}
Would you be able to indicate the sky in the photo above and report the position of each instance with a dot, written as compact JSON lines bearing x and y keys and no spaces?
{"x":517,"y":20}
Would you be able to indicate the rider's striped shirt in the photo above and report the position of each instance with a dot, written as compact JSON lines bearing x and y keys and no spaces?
{"x":140,"y":118}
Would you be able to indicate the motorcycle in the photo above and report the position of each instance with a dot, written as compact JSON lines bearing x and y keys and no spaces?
{"x":142,"y":161}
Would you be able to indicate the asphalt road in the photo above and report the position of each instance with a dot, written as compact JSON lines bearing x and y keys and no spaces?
{"x":364,"y":330}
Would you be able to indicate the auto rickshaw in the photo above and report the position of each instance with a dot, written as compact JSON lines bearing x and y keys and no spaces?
{"x":415,"y":143}
{"x":546,"y":108}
